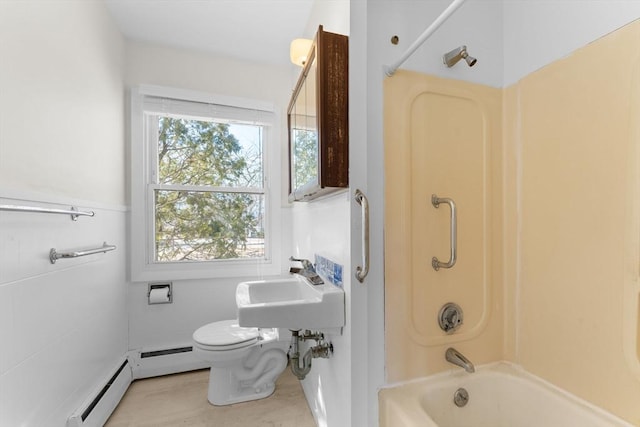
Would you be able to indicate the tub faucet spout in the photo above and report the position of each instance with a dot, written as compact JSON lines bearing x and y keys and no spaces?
{"x":454,"y":356}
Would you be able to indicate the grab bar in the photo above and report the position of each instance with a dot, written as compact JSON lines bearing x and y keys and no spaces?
{"x":54,"y":255}
{"x":435,"y":263}
{"x":72,"y":211}
{"x":362,"y":272}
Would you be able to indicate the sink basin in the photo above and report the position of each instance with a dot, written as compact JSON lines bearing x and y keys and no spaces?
{"x":291,"y":302}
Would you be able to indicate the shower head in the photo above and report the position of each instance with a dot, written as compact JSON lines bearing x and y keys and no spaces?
{"x":451,"y":58}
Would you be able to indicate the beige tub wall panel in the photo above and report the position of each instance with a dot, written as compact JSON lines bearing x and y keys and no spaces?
{"x":631,"y":321}
{"x":441,"y":137}
{"x":578,"y":220}
{"x":634,"y":332}
{"x":448,"y":158}
{"x":511,"y":206}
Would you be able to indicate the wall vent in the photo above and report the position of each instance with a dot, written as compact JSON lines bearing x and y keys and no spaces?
{"x":153,"y":362}
{"x":165,"y":352}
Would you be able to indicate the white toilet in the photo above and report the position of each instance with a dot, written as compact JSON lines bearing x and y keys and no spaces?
{"x":245,"y":362}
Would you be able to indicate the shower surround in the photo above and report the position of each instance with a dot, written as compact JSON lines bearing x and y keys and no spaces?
{"x":546,"y":176}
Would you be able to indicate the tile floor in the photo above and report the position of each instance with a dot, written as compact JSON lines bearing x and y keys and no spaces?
{"x":181,"y":400}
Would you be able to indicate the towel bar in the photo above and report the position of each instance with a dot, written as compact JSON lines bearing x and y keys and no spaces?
{"x":54,"y":255}
{"x":72,"y":211}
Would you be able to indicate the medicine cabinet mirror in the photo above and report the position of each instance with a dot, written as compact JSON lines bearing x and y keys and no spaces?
{"x":318,"y":121}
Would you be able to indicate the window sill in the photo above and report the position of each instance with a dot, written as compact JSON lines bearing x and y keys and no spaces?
{"x":205,"y":270}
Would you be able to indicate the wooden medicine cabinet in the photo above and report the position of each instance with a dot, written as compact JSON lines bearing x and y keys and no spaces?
{"x":318,"y":121}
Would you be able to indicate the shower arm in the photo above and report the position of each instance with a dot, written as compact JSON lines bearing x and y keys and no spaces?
{"x":455,"y":4}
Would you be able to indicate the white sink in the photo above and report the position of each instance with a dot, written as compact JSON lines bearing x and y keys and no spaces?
{"x":292,"y":303}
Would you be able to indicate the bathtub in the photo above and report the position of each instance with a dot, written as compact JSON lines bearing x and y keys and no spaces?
{"x":499,"y":395}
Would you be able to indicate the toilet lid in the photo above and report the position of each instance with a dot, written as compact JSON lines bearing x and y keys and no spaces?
{"x":225,"y":334}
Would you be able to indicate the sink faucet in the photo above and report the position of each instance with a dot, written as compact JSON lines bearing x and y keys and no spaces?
{"x":307,"y":271}
{"x":454,"y":356}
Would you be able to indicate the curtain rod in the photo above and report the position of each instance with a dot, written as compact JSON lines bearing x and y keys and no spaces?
{"x":455,"y":4}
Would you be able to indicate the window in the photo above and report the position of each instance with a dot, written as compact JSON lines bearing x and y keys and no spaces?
{"x":200,"y":186}
{"x":208,"y":192}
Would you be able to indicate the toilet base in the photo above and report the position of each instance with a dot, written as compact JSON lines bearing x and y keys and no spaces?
{"x":254,"y":379}
{"x":241,"y":370}
{"x":222,"y":382}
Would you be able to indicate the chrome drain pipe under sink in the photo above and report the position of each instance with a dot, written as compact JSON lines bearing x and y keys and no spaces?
{"x":322,"y":349}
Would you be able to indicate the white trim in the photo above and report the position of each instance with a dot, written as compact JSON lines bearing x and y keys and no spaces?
{"x":206,"y":270}
{"x":208,"y":98}
{"x":207,"y":189}
{"x":37,"y":197}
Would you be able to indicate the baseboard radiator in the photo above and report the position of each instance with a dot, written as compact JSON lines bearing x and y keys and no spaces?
{"x":148,"y":363}
{"x":95,"y":411}
{"x":166,"y":352}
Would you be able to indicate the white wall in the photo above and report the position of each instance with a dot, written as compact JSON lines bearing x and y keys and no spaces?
{"x":365,"y":300}
{"x":197,"y":302}
{"x":538,"y":32}
{"x":61,"y":79}
{"x":322,"y":227}
{"x":510,"y":38}
{"x":63,"y":327}
{"x":477,"y":24}
{"x":332,"y":15}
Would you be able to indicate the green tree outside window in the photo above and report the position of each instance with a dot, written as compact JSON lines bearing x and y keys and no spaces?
{"x":305,"y":157}
{"x":209,"y":201}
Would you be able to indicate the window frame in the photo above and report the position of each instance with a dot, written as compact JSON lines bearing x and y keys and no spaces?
{"x":143,"y":265}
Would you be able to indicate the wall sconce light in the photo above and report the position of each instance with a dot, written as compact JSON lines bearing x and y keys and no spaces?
{"x":299,"y":50}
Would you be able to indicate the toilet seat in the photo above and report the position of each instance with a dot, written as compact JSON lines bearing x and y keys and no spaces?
{"x":225,"y":335}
